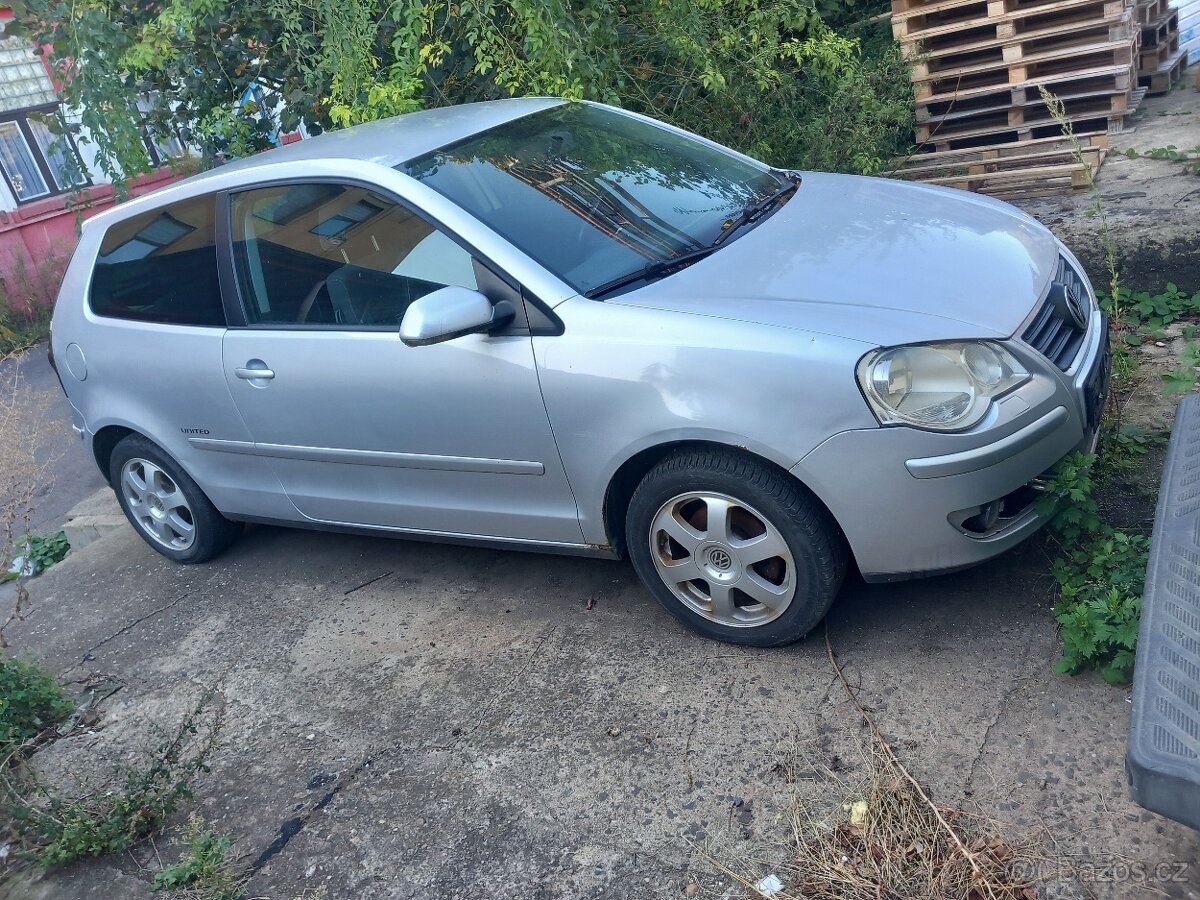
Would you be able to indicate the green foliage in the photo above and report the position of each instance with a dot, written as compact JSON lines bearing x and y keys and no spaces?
{"x":58,"y":830}
{"x":41,"y":552}
{"x":1067,"y":496}
{"x":1099,"y":631}
{"x":1100,"y":574}
{"x":1189,"y":158}
{"x":1184,"y":379}
{"x":204,"y":869}
{"x":1123,"y":446}
{"x":31,"y":700}
{"x":1141,"y":314}
{"x":47,"y":549}
{"x":769,"y":77}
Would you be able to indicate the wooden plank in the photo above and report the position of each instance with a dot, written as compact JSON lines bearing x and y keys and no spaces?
{"x":1160,"y":30}
{"x":946,"y":25}
{"x":1000,"y":163}
{"x":1119,"y":50}
{"x":978,"y":180}
{"x":948,"y":128}
{"x":984,"y":42}
{"x":1038,"y":179}
{"x":1040,"y":146}
{"x":996,"y":133}
{"x":1055,"y":83}
{"x":1166,"y":77}
{"x":1021,"y":98}
{"x":1026,"y":70}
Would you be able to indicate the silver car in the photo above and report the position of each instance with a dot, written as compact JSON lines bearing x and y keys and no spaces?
{"x":563,"y":327}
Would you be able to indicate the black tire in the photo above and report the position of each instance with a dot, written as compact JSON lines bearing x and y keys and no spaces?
{"x":817,"y":548}
{"x":211,"y":532}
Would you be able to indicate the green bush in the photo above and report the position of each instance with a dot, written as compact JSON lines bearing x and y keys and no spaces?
{"x":1100,"y":574}
{"x":31,"y":700}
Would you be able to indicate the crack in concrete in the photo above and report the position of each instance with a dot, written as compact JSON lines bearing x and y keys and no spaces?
{"x":1002,"y":709}
{"x":495,"y":699}
{"x":88,"y":653}
{"x":293,"y":826}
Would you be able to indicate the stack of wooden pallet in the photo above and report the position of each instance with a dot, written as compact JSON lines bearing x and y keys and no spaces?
{"x":1162,"y":60}
{"x":1189,"y":30}
{"x":979,"y":67}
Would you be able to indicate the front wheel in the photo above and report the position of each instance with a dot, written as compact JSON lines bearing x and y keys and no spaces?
{"x":734,"y":549}
{"x":166,"y":507}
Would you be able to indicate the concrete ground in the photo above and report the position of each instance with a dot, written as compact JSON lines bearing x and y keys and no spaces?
{"x":411,"y":720}
{"x":1153,"y":205}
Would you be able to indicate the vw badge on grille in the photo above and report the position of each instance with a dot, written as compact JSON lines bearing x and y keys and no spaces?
{"x":1076,"y":304}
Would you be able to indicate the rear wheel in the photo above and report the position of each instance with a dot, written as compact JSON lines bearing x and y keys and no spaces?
{"x":734,"y":549}
{"x":165,"y":506}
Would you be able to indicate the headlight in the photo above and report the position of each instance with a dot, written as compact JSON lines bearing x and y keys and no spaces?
{"x":944,"y":387}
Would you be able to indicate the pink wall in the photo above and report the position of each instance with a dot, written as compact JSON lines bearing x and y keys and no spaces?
{"x":36,"y":240}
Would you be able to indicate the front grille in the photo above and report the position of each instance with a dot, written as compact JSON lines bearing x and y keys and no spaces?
{"x":1060,"y":326}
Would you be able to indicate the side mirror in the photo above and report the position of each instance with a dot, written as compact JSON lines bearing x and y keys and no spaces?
{"x":448,"y":313}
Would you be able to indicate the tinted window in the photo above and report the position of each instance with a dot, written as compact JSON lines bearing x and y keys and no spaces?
{"x":323,"y":254}
{"x":594,"y":195}
{"x":161,"y":267}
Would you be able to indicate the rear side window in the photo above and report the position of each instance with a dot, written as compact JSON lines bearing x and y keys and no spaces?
{"x":161,"y":267}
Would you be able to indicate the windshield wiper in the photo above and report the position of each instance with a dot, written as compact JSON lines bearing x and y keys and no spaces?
{"x":751,"y":213}
{"x":652,"y":270}
{"x":758,"y":209}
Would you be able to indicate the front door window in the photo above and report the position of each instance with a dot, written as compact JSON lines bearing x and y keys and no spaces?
{"x":334,"y":255}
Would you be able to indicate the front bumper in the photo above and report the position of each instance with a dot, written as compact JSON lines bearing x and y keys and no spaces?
{"x":912,"y":503}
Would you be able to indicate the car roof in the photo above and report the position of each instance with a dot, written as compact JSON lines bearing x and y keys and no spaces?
{"x":388,"y":142}
{"x":404,"y":137}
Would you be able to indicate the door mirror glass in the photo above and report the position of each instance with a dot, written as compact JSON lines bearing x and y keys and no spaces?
{"x":446,"y":314}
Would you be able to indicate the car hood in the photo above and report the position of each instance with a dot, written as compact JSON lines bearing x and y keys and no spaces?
{"x":876,"y":260}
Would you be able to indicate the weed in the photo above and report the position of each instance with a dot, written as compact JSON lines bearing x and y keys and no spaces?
{"x":1141,"y":315}
{"x":1122,"y":447}
{"x":31,"y":700}
{"x":1059,"y":113}
{"x":880,"y":834}
{"x":205,"y":870}
{"x":1100,"y":572}
{"x":56,"y":830}
{"x":1189,"y":158}
{"x":1184,"y":379}
{"x":41,"y":552}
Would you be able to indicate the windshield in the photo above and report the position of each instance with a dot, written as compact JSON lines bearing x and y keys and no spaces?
{"x":594,"y":195}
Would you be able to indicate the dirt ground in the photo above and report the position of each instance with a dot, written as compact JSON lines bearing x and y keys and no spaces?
{"x":1152,"y":205}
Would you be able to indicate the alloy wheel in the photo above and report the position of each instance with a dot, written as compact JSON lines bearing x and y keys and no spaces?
{"x":157,"y":504}
{"x":723,"y":559}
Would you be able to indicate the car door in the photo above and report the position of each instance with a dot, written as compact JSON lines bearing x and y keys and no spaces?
{"x":451,"y":438}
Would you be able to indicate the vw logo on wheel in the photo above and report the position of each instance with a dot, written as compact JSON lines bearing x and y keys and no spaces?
{"x":719,"y":559}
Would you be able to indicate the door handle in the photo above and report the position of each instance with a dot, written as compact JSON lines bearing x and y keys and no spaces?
{"x":251,"y":374}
